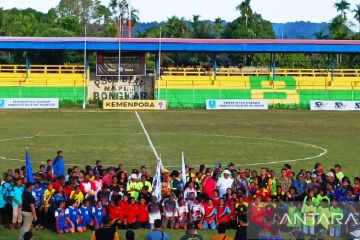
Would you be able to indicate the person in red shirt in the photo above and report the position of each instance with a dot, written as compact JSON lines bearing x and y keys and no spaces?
{"x":232,"y":216}
{"x":142,"y":216}
{"x":216,"y":199}
{"x":107,"y":179}
{"x":223,"y":212}
{"x":209,"y":219}
{"x":114,"y":212}
{"x":130,"y":214}
{"x":58,"y":182}
{"x":208,"y":184}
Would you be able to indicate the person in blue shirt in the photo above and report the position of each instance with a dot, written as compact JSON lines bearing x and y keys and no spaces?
{"x":157,"y":233}
{"x":60,"y":219}
{"x":58,"y":164}
{"x":59,"y":196}
{"x":300,"y":185}
{"x":86,"y":213}
{"x":98,"y":212}
{"x":38,"y":194}
{"x":16,"y":201}
{"x":73,"y":217}
{"x":3,"y":212}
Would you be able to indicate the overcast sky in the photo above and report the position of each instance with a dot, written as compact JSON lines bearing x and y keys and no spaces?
{"x":157,"y":10}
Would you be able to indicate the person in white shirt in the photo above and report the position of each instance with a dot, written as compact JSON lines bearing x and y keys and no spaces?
{"x":224,"y":183}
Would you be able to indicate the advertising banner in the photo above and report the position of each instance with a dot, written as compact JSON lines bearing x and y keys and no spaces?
{"x":131,"y":63}
{"x":29,"y":103}
{"x":236,"y":104}
{"x":134,"y":105}
{"x":335,"y":105}
{"x":127,"y":87}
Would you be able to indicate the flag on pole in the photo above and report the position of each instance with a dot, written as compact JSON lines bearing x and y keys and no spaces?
{"x":183,"y":168}
{"x":156,"y":184}
{"x":29,"y":172}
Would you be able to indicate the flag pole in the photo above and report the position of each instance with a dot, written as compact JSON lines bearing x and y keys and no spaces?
{"x":159,"y":65}
{"x":119,"y":46}
{"x":85,"y":68}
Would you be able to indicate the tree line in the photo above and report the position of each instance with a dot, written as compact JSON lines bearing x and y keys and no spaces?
{"x":70,"y":19}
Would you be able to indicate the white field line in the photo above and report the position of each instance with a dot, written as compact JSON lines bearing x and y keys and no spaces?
{"x":147,"y":136}
{"x":322,"y":153}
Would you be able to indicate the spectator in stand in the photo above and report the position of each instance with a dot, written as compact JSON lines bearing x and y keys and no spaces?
{"x":58,"y":164}
{"x":224,"y":183}
{"x":157,"y":233}
{"x":106,"y":232}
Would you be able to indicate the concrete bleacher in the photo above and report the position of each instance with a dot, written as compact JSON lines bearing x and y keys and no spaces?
{"x":284,"y":86}
{"x":60,"y":81}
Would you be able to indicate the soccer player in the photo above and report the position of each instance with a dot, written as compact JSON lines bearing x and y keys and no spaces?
{"x":142,"y":216}
{"x":60,"y":222}
{"x":73,"y":217}
{"x":182,"y":214}
{"x":38,"y":194}
{"x":85,"y":211}
{"x":210,"y":212}
{"x":98,"y":212}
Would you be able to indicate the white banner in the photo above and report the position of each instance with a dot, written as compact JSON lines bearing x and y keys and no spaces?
{"x":236,"y":104}
{"x":335,"y":105}
{"x":29,"y":103}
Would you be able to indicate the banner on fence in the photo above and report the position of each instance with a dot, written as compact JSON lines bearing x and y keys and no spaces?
{"x":335,"y":105}
{"x":131,"y":63}
{"x":134,"y":105}
{"x":29,"y":103}
{"x":236,"y":104}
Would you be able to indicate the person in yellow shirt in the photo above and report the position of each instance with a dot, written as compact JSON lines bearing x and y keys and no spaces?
{"x":77,"y":195}
{"x":221,"y":233}
{"x":48,"y":198}
{"x":144,"y":182}
{"x":133,"y":187}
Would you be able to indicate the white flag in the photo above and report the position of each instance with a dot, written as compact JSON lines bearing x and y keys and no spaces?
{"x":183,"y":168}
{"x":156,"y":184}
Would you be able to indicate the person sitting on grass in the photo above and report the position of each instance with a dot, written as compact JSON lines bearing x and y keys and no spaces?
{"x":98,"y":213}
{"x":86,"y":212}
{"x":61,"y":224}
{"x":73,"y":217}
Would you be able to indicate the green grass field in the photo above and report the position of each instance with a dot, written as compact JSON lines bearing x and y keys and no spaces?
{"x":247,"y":138}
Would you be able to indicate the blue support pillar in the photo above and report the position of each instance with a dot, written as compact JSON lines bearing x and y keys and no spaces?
{"x":157,"y":70}
{"x":27,"y":64}
{"x":272,"y":65}
{"x":214,"y":67}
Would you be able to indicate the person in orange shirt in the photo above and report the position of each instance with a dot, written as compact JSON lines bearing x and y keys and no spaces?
{"x":130,"y":214}
{"x":221,"y":233}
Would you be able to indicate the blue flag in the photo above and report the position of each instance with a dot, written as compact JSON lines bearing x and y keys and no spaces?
{"x":29,"y":173}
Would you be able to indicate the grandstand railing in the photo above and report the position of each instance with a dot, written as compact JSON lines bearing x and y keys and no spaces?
{"x":232,"y":71}
{"x":43,"y":69}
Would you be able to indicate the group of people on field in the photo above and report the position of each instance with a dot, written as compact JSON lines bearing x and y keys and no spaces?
{"x":264,"y":205}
